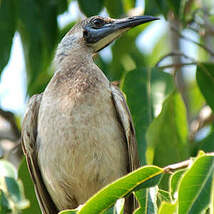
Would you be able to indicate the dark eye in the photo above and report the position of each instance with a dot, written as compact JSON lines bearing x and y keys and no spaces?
{"x":97,"y":23}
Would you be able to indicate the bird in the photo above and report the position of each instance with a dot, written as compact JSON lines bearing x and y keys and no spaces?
{"x":78,"y":135}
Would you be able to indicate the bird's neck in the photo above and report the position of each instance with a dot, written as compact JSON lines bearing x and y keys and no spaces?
{"x":72,"y":56}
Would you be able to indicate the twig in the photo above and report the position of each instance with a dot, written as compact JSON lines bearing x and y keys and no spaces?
{"x":177,"y":65}
{"x":174,"y":54}
{"x":181,"y":165}
{"x":204,"y":118}
{"x":194,"y":42}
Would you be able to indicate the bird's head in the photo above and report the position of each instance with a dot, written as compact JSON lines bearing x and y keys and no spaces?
{"x":95,"y":33}
{"x":99,"y":32}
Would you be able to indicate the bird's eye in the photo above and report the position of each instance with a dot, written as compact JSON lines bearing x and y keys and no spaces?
{"x":97,"y":23}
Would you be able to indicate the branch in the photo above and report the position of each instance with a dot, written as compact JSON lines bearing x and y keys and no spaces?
{"x":204,"y":118}
{"x":178,"y":65}
{"x":175,"y":54}
{"x":10,"y":117}
{"x":181,"y":165}
{"x":194,"y":42}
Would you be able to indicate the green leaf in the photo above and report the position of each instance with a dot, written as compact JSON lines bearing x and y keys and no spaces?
{"x":196,"y":99}
{"x":164,"y":195}
{"x":4,"y":204}
{"x":163,"y":7}
{"x":207,"y":144}
{"x":145,"y":177}
{"x":141,"y":88}
{"x":7,"y":30}
{"x":7,"y":169}
{"x":12,"y":189}
{"x":147,"y":199}
{"x":167,"y":208}
{"x":212,"y":199}
{"x":39,"y":31}
{"x":28,"y":189}
{"x":205,"y":80}
{"x":61,"y":5}
{"x":151,"y":8}
{"x":114,"y":8}
{"x":167,"y":134}
{"x":195,"y":187}
{"x":92,"y":7}
{"x":174,"y":181}
{"x":69,"y":211}
{"x":175,"y":5}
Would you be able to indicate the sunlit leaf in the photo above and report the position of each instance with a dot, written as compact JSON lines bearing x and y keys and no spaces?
{"x":143,"y":177}
{"x":167,"y":135}
{"x":195,"y":187}
{"x":167,"y":208}
{"x":142,"y":88}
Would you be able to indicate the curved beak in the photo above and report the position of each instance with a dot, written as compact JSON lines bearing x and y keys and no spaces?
{"x":113,"y":29}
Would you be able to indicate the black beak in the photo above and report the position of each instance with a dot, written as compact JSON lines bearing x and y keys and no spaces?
{"x":93,"y":35}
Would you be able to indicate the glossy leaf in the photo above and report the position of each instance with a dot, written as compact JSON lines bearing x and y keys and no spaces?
{"x":167,"y":208}
{"x":205,"y":80}
{"x":28,"y":189}
{"x":92,"y":7}
{"x":143,"y":177}
{"x":140,"y":87}
{"x":212,"y":199}
{"x":167,"y":134}
{"x":7,"y":30}
{"x":195,"y":187}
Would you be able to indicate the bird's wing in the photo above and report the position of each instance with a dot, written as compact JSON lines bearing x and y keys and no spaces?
{"x":127,"y":124}
{"x":29,"y":146}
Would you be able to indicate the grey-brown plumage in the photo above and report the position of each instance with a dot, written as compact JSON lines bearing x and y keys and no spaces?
{"x":78,"y":135}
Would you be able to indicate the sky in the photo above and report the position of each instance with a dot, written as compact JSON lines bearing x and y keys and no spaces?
{"x":13,"y":78}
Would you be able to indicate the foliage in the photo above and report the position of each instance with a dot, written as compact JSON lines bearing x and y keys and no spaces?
{"x":166,"y":106}
{"x":12,"y":199}
{"x":191,"y":190}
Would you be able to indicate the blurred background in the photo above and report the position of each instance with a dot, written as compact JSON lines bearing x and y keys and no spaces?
{"x":165,"y":69}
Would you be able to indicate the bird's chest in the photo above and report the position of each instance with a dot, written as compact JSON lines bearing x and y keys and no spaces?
{"x":81,"y":127}
{"x":80,"y":139}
